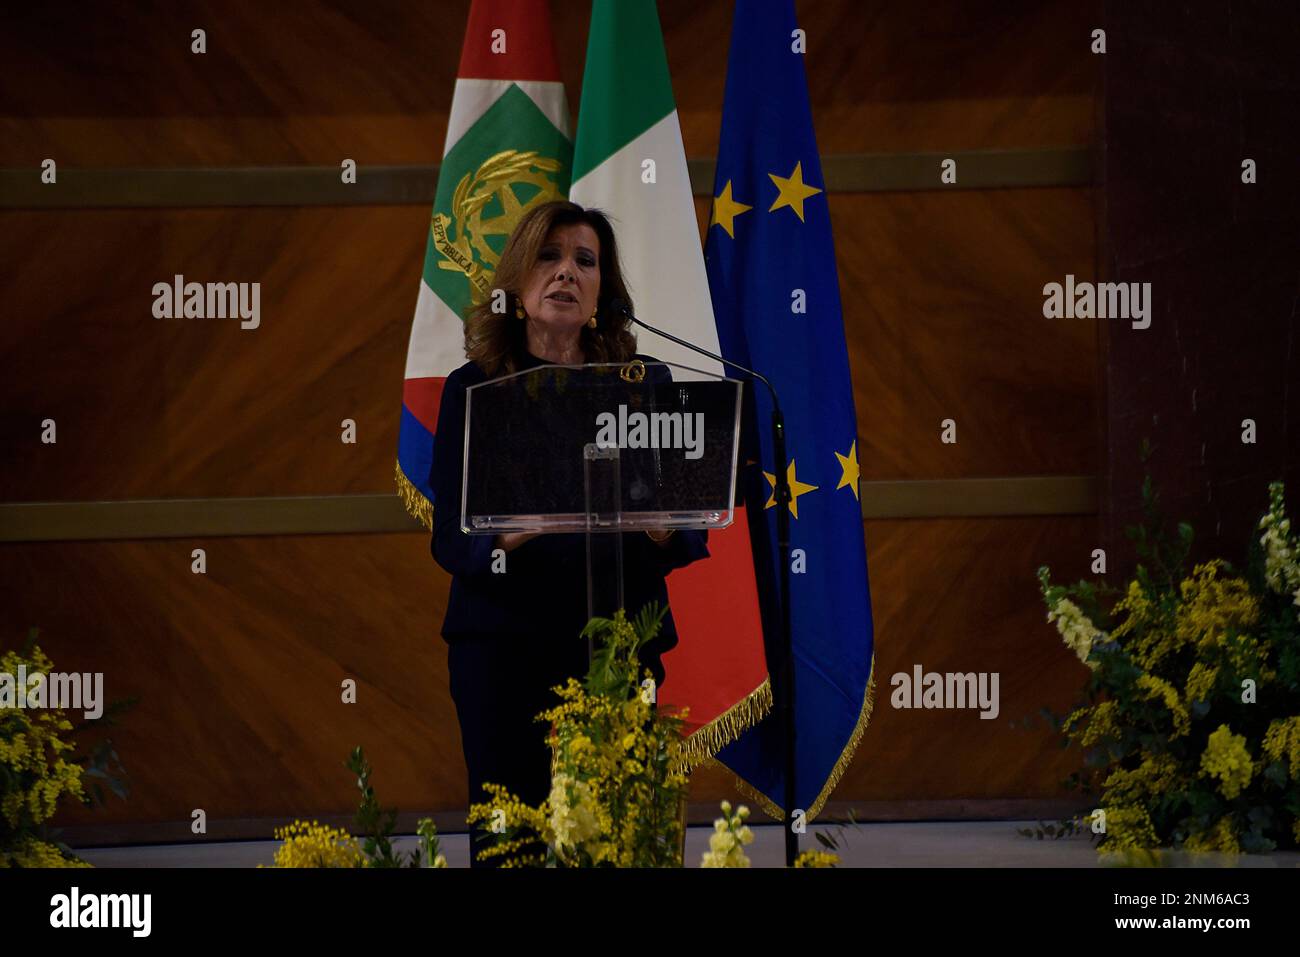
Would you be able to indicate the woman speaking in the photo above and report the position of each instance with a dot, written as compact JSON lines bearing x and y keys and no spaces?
{"x":513,"y":636}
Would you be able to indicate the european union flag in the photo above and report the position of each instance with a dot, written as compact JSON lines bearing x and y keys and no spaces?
{"x":771,"y":266}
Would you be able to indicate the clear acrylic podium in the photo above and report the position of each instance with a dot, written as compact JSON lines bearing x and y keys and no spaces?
{"x":601,"y":448}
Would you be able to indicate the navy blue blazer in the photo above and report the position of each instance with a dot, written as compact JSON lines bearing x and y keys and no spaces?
{"x":545,"y":588}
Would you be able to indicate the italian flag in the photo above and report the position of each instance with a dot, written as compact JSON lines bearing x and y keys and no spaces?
{"x":628,"y":160}
{"x":507,"y":149}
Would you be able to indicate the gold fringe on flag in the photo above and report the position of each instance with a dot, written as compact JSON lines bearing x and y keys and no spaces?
{"x":416,"y":504}
{"x":704,"y":742}
{"x":846,"y":757}
{"x":752,"y":794}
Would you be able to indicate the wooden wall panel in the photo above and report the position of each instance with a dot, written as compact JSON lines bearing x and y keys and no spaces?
{"x":152,"y":407}
{"x":1218,"y":257}
{"x":961,"y":596}
{"x":892,"y":77}
{"x":238,"y":671}
{"x":943,"y":299}
{"x":940,"y":291}
{"x":303,"y":82}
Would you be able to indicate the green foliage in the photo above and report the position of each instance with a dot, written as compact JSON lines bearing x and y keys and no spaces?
{"x":45,"y":760}
{"x":837,"y":838}
{"x":1175,"y":747}
{"x":615,"y":660}
{"x":377,"y":824}
{"x":1067,"y":827}
{"x":313,"y":845}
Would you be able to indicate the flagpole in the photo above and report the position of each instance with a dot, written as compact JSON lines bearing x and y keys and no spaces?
{"x":785,"y":683}
{"x":785,"y":667}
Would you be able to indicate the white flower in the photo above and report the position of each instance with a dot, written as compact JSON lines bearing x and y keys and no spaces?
{"x":572,"y":824}
{"x":726,"y":843}
{"x":1077,"y":630}
{"x":1281,"y":570}
{"x":733,"y":858}
{"x":722,"y":842}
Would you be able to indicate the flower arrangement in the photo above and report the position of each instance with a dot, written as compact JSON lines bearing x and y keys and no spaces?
{"x":815,"y":858}
{"x":618,"y":783}
{"x":1191,"y":724}
{"x":729,"y":838}
{"x":731,"y":835}
{"x":318,"y":845}
{"x":40,"y":766}
{"x":618,"y":771}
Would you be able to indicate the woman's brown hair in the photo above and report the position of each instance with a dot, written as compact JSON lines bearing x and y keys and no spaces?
{"x":496,"y":341}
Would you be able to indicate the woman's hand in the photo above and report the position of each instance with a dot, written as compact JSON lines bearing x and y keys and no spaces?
{"x":512,"y":540}
{"x":660,"y":536}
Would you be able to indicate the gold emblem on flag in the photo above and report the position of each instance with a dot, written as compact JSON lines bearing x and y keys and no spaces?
{"x":470,"y":252}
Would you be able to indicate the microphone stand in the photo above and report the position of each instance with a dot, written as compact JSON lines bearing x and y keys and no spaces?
{"x":785,"y":665}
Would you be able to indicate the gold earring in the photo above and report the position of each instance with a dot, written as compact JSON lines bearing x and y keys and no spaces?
{"x":592,"y":321}
{"x":519,"y":308}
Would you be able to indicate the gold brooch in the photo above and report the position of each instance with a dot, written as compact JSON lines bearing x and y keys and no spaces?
{"x":633,"y":372}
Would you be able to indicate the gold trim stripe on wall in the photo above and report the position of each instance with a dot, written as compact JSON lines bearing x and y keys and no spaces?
{"x":980,"y":497}
{"x":408,"y":185}
{"x":382,"y":514}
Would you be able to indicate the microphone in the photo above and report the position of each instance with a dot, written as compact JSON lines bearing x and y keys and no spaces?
{"x":621,"y":308}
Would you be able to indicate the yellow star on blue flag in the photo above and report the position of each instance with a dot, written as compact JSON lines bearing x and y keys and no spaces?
{"x":791,"y":191}
{"x":797,"y":488}
{"x":726,"y":209}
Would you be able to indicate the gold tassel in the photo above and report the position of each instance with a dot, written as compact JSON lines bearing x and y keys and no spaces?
{"x":846,"y":756}
{"x":416,"y":504}
{"x":765,"y":805}
{"x":837,"y":772}
{"x":708,"y":740}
